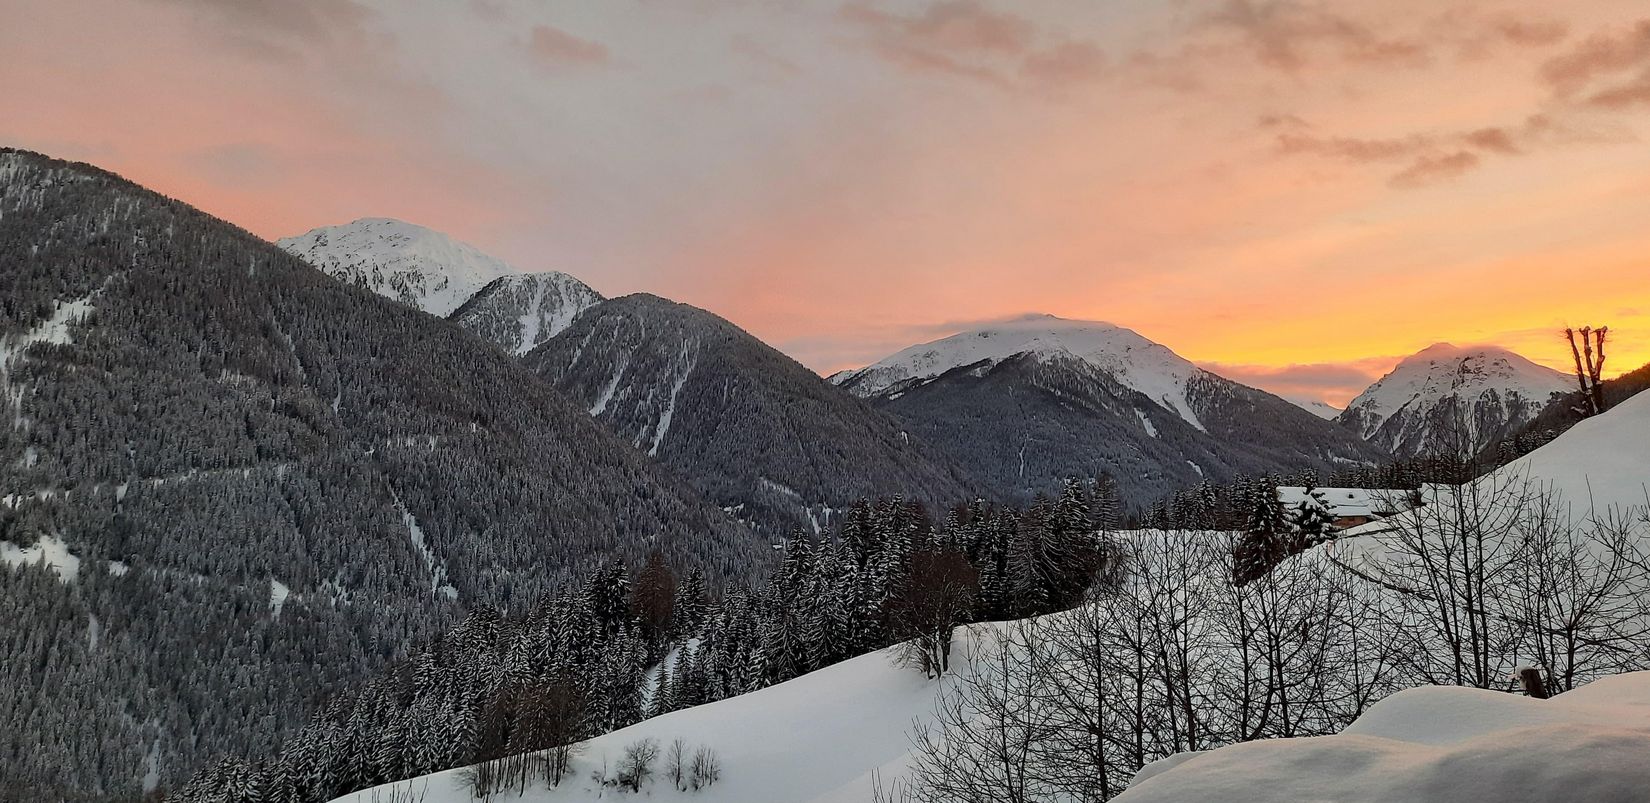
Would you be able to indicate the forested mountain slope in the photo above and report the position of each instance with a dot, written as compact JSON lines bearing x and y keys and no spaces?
{"x":754,"y":430}
{"x":251,"y":483}
{"x":1028,"y":402}
{"x":519,"y":312}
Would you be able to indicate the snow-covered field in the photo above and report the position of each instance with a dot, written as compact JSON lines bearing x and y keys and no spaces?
{"x":815,"y":738}
{"x":1438,"y":745}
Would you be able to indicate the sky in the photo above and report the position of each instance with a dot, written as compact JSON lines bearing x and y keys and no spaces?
{"x":1294,"y":194}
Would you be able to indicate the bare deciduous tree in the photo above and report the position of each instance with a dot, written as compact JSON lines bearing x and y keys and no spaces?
{"x":636,"y":765}
{"x":938,"y":595}
{"x":707,"y":768}
{"x":1589,"y":360}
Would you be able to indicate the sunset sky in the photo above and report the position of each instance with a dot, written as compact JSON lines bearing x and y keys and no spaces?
{"x":1292,"y":193}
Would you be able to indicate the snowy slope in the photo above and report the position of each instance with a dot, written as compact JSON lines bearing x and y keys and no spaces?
{"x":437,"y":274}
{"x":1603,"y":461}
{"x":1409,"y":411}
{"x":1600,"y":467}
{"x":411,"y":264}
{"x":1437,"y":745}
{"x":1132,"y":360}
{"x":1317,"y":407}
{"x":815,"y":738}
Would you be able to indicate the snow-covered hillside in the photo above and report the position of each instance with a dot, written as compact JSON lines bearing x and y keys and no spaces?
{"x":815,"y":738}
{"x":1600,"y":469}
{"x":439,"y":275}
{"x":753,"y":430}
{"x":1602,"y":462}
{"x":1130,"y":359}
{"x":1409,"y":411}
{"x":1437,"y":745}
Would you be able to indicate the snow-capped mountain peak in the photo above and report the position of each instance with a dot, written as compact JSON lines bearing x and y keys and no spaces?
{"x":1129,"y":358}
{"x":1317,"y":407}
{"x":409,"y":263}
{"x":1495,"y":388}
{"x":429,"y":270}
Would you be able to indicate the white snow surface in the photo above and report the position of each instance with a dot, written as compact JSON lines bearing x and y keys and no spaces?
{"x":816,"y":738}
{"x":1600,"y":463}
{"x":1146,"y":422}
{"x":278,"y":593}
{"x":1317,"y":407}
{"x":55,"y":330}
{"x":1129,"y":358}
{"x":1437,"y":745}
{"x":1423,"y":380}
{"x":49,"y":551}
{"x":419,"y":267}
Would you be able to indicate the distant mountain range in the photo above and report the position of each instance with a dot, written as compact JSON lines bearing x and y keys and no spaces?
{"x":1453,"y":399}
{"x":1028,"y":402}
{"x":1100,"y":397}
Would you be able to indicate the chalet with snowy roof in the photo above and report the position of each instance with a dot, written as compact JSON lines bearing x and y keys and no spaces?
{"x":1347,"y":507}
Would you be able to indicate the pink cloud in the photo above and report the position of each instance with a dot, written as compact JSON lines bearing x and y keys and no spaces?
{"x":1332,"y":383}
{"x":965,"y":38}
{"x":555,"y":47}
{"x":1429,"y":169}
{"x":1599,"y":55}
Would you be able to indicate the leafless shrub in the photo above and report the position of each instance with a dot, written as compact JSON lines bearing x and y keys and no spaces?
{"x":401,"y":794}
{"x":676,"y":763}
{"x":707,"y":768}
{"x":636,"y":766}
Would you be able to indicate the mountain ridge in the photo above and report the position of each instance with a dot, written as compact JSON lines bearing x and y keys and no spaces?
{"x":755,"y":430}
{"x":428,"y":270}
{"x":1085,"y":397}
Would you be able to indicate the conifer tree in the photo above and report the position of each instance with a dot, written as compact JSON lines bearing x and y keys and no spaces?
{"x":689,"y":607}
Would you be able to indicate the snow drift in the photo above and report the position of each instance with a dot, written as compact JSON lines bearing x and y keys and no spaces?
{"x":1437,"y":745}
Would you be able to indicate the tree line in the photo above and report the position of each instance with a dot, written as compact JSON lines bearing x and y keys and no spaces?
{"x":627,"y":644}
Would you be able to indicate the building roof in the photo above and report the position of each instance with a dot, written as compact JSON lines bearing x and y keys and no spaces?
{"x":1348,"y":502}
